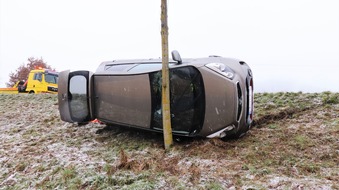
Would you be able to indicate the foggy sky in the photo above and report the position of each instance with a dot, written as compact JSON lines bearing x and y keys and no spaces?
{"x":290,"y":45}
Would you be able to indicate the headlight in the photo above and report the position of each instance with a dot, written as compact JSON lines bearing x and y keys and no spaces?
{"x":222,"y":69}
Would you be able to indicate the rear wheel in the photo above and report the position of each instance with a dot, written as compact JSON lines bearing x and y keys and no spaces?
{"x":31,"y":92}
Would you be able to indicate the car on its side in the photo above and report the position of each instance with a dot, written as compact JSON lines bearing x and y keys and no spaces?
{"x":209,"y":97}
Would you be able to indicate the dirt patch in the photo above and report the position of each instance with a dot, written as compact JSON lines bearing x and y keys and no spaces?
{"x":281,"y":115}
{"x":293,"y":146}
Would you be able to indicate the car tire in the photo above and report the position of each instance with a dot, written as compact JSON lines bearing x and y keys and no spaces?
{"x":236,"y":135}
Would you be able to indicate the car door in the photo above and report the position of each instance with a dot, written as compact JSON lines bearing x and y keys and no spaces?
{"x":74,"y":96}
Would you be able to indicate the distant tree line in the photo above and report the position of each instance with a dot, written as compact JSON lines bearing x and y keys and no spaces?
{"x":22,"y":72}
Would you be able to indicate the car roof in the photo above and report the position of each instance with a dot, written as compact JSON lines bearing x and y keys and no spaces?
{"x":129,"y":66}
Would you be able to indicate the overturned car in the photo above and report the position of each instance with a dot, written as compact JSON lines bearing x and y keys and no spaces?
{"x":209,"y":97}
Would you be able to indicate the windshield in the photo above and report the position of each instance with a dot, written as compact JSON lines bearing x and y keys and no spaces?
{"x":51,"y":78}
{"x":187,"y":98}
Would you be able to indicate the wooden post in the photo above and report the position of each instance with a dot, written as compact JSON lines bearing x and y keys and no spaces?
{"x":166,"y":112}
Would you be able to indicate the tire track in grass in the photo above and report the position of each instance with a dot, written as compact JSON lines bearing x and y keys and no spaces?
{"x":281,"y":115}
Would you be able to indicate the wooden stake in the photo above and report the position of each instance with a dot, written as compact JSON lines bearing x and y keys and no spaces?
{"x":166,"y":112}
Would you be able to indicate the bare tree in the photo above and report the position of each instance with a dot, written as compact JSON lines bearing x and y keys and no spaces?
{"x":22,"y":72}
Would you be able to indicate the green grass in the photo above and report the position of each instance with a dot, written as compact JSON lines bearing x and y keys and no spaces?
{"x":295,"y":138}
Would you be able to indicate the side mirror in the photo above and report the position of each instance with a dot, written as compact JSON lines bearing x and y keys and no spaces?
{"x":176,"y":56}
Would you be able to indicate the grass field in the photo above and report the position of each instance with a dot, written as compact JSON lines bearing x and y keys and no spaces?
{"x":294,"y":144}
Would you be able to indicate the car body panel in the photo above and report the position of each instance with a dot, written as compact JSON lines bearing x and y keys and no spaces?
{"x":63,"y":96}
{"x":220,"y":103}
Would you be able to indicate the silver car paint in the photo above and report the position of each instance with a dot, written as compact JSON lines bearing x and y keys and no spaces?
{"x":123,"y":97}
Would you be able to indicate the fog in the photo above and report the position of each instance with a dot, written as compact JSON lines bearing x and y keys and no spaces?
{"x":290,"y":45}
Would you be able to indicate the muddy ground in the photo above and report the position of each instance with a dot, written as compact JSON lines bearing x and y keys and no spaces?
{"x":294,"y":144}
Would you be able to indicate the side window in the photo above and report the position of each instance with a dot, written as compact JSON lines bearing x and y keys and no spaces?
{"x":118,"y":67}
{"x":37,"y":76}
{"x":78,"y":97}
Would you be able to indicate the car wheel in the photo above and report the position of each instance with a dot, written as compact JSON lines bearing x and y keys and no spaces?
{"x":236,"y":135}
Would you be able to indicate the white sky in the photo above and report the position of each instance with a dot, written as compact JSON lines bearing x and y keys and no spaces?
{"x":291,"y":45}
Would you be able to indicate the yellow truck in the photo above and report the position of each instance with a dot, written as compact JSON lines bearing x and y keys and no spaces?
{"x":39,"y":81}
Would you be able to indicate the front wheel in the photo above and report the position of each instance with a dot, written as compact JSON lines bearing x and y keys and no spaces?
{"x":238,"y":134}
{"x":31,"y":92}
